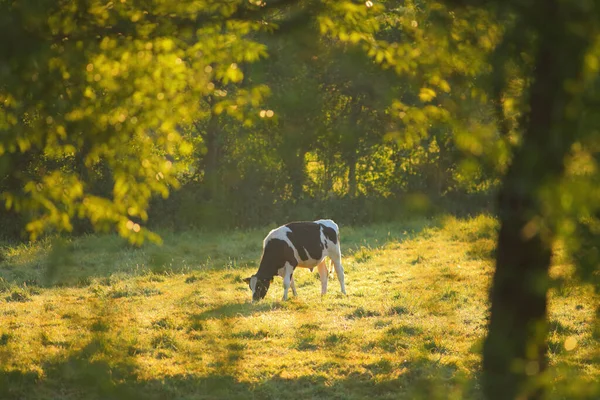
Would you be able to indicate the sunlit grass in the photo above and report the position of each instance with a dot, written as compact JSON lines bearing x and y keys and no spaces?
{"x":116,"y":321}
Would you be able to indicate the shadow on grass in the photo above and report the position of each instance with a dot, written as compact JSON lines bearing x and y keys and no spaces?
{"x":228,"y":310}
{"x":77,"y":263}
{"x":84,"y":376}
{"x":355,"y":240}
{"x":106,"y":367}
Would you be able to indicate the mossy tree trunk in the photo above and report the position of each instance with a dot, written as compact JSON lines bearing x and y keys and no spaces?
{"x":515,"y":347}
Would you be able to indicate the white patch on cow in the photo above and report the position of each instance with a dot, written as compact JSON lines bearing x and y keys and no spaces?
{"x":253,"y":281}
{"x":329,"y":223}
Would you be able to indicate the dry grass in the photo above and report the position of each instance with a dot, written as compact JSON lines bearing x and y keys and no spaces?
{"x":95,"y":318}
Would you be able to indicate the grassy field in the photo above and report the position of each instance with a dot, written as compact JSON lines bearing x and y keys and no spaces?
{"x":94,"y":318}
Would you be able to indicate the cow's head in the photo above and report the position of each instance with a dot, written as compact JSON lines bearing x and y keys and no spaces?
{"x":258,"y":286}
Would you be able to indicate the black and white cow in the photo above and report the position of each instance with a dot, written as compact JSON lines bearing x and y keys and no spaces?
{"x":298,"y":244}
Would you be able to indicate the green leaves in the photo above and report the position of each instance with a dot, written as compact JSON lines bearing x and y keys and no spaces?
{"x":99,"y":91}
{"x":349,"y":21}
{"x":426,"y":94}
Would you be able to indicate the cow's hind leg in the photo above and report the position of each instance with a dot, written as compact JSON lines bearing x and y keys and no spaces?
{"x":339,"y":269}
{"x":324,"y":276}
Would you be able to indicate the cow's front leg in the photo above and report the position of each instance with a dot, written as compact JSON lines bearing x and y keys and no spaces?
{"x":288,"y":270}
{"x":324,"y":276}
{"x":293,"y":285}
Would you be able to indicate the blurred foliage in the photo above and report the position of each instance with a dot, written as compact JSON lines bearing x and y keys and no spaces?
{"x":98,"y":92}
{"x":104,"y":108}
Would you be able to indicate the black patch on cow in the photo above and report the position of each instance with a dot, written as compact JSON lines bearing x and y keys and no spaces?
{"x":306,"y":238}
{"x":329,"y":233}
{"x":275,"y":254}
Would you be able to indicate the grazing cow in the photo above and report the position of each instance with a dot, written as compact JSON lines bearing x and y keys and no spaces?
{"x":298,"y":244}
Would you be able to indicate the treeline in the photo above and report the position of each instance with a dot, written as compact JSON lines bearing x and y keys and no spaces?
{"x":321,"y":144}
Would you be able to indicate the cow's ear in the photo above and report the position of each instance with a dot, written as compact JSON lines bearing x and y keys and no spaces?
{"x":247,"y":280}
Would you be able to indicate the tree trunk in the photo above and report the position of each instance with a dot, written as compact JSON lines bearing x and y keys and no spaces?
{"x":355,"y":114}
{"x":515,"y":348}
{"x":211,"y":159}
{"x":352,"y":185}
{"x":298,"y":174}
